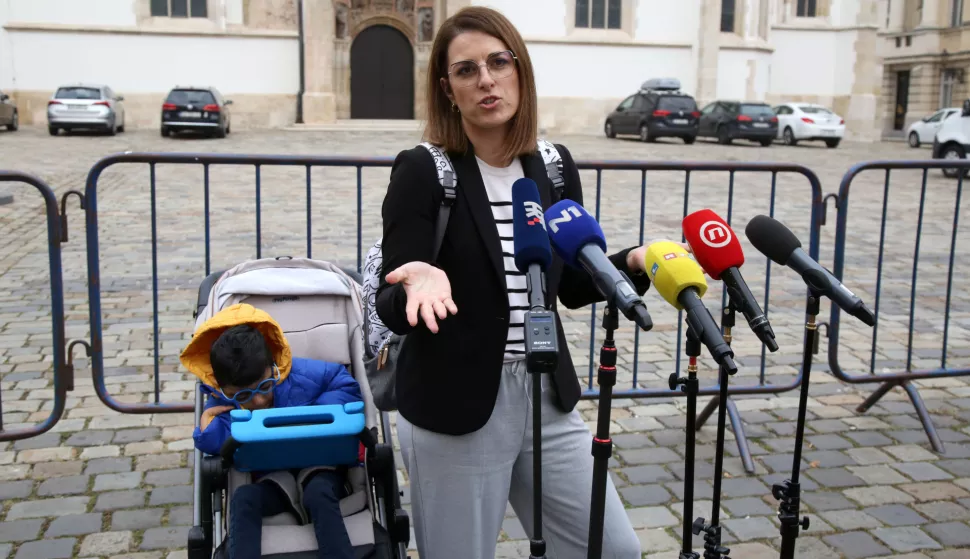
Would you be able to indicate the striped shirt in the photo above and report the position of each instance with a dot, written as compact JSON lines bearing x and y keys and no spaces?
{"x":498,"y":186}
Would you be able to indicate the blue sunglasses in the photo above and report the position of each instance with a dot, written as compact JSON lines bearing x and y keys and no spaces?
{"x":264,"y":387}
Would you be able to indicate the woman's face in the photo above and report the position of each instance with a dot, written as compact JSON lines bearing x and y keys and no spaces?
{"x":482,"y":80}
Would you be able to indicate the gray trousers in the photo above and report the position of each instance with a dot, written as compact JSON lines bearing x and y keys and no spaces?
{"x":460,"y":484}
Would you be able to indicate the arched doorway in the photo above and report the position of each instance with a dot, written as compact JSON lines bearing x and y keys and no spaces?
{"x":381,"y":74}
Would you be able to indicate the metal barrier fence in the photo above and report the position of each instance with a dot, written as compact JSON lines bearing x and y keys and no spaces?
{"x":903,"y":378}
{"x":63,"y":373}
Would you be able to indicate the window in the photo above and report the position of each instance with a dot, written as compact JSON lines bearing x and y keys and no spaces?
{"x":598,"y":14}
{"x":640,"y":104}
{"x":806,"y":8}
{"x":956,"y":13}
{"x":756,"y":110}
{"x":727,"y":16}
{"x":178,"y":8}
{"x":784,"y":110}
{"x":708,"y":109}
{"x":627,"y":103}
{"x":78,"y":93}
{"x":674,"y":104}
{"x":946,"y":87}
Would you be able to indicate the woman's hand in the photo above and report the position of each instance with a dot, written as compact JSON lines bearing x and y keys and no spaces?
{"x":636,"y":259}
{"x":428,"y":291}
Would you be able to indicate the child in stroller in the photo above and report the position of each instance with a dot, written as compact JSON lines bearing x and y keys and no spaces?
{"x":244,"y":361}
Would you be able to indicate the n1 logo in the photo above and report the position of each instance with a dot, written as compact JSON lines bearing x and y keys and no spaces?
{"x":565,"y":217}
{"x":715,"y":234}
{"x":533,"y":213}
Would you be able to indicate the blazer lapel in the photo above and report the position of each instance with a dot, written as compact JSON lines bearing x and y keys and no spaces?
{"x":471,"y":186}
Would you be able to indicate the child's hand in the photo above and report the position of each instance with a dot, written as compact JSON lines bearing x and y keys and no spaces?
{"x":210,"y":414}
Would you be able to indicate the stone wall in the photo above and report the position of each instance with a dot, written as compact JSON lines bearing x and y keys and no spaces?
{"x":270,"y":14}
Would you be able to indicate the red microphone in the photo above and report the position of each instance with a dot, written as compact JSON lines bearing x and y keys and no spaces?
{"x":717,"y":249}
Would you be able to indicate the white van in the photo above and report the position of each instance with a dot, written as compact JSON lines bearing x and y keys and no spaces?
{"x":952,"y":141}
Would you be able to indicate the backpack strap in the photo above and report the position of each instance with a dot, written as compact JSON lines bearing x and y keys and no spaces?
{"x":553,"y":163}
{"x":449,"y":182}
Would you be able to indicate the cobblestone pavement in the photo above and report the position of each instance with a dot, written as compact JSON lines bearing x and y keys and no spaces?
{"x":106,"y":484}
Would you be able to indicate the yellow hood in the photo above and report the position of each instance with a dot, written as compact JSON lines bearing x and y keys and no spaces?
{"x":195,"y":356}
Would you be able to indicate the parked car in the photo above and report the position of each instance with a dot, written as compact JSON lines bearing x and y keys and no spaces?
{"x":924,"y":130}
{"x":800,"y":122}
{"x":952,"y":140}
{"x":199,"y":109}
{"x":738,"y":120}
{"x":85,"y":106}
{"x":8,"y":113}
{"x":658,"y":110}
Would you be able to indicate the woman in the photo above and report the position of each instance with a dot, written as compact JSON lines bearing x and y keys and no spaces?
{"x":463,"y":392}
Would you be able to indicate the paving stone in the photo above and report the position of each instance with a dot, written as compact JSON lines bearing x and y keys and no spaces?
{"x":869,"y":438}
{"x":654,"y":539}
{"x":828,"y":459}
{"x":942,"y":511}
{"x":180,"y":476}
{"x":640,"y":495}
{"x":652,"y":517}
{"x":856,"y":545}
{"x":922,"y":471}
{"x":822,"y":501}
{"x":754,"y":528}
{"x":850,"y":519}
{"x":829,"y":442}
{"x":743,"y":487}
{"x":171,"y":495}
{"x":812,"y":548}
{"x":127,"y":480}
{"x":137,"y":435}
{"x":74,"y":525}
{"x":752,"y":551}
{"x":47,"y":549}
{"x":120,"y":500}
{"x":834,"y":477}
{"x":46,"y":440}
{"x":19,"y":530}
{"x":959,"y":467}
{"x":106,"y":543}
{"x":650,"y":456}
{"x":180,"y":516}
{"x":910,"y":453}
{"x":137,"y":519}
{"x":15,"y":489}
{"x":896,"y":515}
{"x":872,"y":496}
{"x":934,"y":491}
{"x":781,"y":462}
{"x":701,"y":488}
{"x":646,"y":474}
{"x":71,"y":485}
{"x":5,"y":550}
{"x":90,"y":438}
{"x":869,"y":456}
{"x":747,"y":506}
{"x":158,"y":461}
{"x":905,"y":539}
{"x":165,"y":538}
{"x":108,"y":466}
{"x":48,"y":507}
{"x":632,"y":440}
{"x":950,"y":534}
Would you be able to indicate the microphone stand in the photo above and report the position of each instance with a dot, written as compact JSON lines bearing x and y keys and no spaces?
{"x":602,"y":443}
{"x":788,"y":492}
{"x":689,"y":386}
{"x":712,"y":531}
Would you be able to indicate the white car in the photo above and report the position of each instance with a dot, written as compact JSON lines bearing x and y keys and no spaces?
{"x":798,"y":122}
{"x":923,"y":131}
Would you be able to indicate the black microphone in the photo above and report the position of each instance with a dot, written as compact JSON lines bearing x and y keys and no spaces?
{"x":779,"y":244}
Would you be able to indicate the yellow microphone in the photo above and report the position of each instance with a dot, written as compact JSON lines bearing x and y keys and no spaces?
{"x":671,"y":270}
{"x":680,"y":281}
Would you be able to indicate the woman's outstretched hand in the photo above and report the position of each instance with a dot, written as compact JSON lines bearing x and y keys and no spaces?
{"x":428,"y":291}
{"x":636,"y":259}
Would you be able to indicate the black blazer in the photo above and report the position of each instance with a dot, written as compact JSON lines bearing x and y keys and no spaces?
{"x":447,"y":382}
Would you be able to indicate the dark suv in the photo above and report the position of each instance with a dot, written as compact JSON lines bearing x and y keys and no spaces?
{"x":199,"y":109}
{"x":734,"y":120}
{"x":658,"y":110}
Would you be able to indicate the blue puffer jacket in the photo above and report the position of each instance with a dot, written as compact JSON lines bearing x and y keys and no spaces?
{"x":309,"y":383}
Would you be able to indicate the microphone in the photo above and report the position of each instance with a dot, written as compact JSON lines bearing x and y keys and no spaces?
{"x":532,"y":257}
{"x":680,"y":281}
{"x":718,"y":251}
{"x":779,"y":244}
{"x":579,"y":241}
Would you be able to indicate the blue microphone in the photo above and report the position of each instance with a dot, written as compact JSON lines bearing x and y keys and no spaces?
{"x":533,"y":257}
{"x":578,"y":239}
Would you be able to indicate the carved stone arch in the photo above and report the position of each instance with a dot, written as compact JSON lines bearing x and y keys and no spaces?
{"x":385,"y":19}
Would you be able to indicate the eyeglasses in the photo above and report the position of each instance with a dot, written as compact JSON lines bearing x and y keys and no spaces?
{"x":499,"y":64}
{"x":264,"y":387}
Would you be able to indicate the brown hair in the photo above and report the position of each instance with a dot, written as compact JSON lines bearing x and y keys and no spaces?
{"x":444,"y":125}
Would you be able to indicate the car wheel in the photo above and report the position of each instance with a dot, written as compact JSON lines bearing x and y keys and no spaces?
{"x":832,"y":144}
{"x":789,"y":136}
{"x":723,"y":135}
{"x":15,"y":123}
{"x":768,"y":142}
{"x":228,"y":127}
{"x":913,"y":140}
{"x":220,"y":132}
{"x":645,"y":133}
{"x":690,"y":139}
{"x":165,"y":131}
{"x":122,"y":127}
{"x":608,"y":130}
{"x":953,"y":152}
{"x":52,"y":130}
{"x":112,"y":128}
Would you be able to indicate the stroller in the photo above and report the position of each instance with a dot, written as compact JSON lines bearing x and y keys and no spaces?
{"x":315,"y":303}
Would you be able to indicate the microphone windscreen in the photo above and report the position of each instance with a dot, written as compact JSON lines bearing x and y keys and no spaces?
{"x":715,"y":246}
{"x":529,"y":237}
{"x":570,"y":229}
{"x":671,"y":269}
{"x":772,"y":239}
